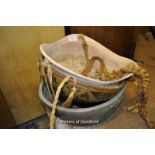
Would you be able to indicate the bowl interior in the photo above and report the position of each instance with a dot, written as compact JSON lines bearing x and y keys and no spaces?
{"x":67,"y":55}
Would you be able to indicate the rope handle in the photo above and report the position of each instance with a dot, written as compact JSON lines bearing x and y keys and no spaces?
{"x":67,"y":103}
{"x":85,"y":46}
{"x":103,"y":74}
{"x":46,"y":74}
{"x":45,"y":70}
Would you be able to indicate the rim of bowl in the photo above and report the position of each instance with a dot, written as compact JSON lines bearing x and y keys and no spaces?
{"x":79,"y":110}
{"x":79,"y":77}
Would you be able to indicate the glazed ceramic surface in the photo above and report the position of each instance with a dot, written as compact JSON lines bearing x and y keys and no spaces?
{"x":71,"y":46}
{"x":67,"y":58}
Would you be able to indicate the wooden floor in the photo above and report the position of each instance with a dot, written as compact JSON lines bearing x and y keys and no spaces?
{"x":19,"y":77}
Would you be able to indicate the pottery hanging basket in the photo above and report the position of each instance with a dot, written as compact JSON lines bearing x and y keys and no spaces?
{"x":84,"y":59}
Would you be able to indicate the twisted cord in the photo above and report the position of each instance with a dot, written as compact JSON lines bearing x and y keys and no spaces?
{"x":67,"y":103}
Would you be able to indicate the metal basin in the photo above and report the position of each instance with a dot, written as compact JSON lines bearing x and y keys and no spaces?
{"x":84,"y":116}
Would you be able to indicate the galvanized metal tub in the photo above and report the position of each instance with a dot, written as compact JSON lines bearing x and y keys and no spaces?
{"x":83,"y":116}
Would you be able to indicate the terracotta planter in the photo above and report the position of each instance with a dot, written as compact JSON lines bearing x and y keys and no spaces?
{"x":66,"y":58}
